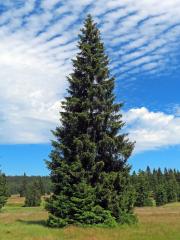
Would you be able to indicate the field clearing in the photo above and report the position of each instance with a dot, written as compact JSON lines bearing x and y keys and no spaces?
{"x":155,"y":223}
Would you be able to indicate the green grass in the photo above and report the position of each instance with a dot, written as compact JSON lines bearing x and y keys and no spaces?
{"x":20,"y":223}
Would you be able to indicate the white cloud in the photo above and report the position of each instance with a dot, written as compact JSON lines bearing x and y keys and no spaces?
{"x":152,"y":130}
{"x":37,"y":45}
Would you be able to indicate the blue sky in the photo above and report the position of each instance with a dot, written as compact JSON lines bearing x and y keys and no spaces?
{"x":38,"y":41}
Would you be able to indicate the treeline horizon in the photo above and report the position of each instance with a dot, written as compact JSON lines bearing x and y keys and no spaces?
{"x":152,"y":186}
{"x":156,"y":187}
{"x":17,"y":184}
{"x":131,"y":172}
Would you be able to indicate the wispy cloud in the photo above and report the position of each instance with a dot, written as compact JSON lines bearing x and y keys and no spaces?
{"x":38,"y":40}
{"x":176,"y":109}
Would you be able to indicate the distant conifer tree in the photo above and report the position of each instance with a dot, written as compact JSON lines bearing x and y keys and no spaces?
{"x":23,"y":186}
{"x":3,"y":190}
{"x":142,"y":189}
{"x":160,"y":195}
{"x":41,"y":186}
{"x":33,"y":195}
{"x":88,"y":163}
{"x":172,"y":187}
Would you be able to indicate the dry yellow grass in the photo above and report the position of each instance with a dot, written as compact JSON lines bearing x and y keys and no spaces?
{"x":15,"y":200}
{"x":20,"y":223}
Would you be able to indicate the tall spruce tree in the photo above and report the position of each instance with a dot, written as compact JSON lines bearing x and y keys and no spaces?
{"x":88,"y":162}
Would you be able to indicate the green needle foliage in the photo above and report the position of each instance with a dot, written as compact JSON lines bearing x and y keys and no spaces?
{"x":3,"y":190}
{"x":33,"y":195}
{"x":160,"y":195}
{"x":88,"y":162}
{"x":23,"y":187}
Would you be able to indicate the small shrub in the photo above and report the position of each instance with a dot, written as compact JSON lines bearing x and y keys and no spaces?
{"x":150,"y":202}
{"x":33,"y":196}
{"x":128,"y":218}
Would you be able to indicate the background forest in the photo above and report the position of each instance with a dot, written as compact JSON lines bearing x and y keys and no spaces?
{"x":153,"y":187}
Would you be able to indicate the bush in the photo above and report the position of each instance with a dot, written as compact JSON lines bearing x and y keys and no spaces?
{"x":128,"y":218}
{"x":33,"y":196}
{"x":150,"y":202}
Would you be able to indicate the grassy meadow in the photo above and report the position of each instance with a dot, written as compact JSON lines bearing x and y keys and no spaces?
{"x":155,"y":223}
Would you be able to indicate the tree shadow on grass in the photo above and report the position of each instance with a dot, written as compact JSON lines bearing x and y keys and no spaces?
{"x":34,"y":222}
